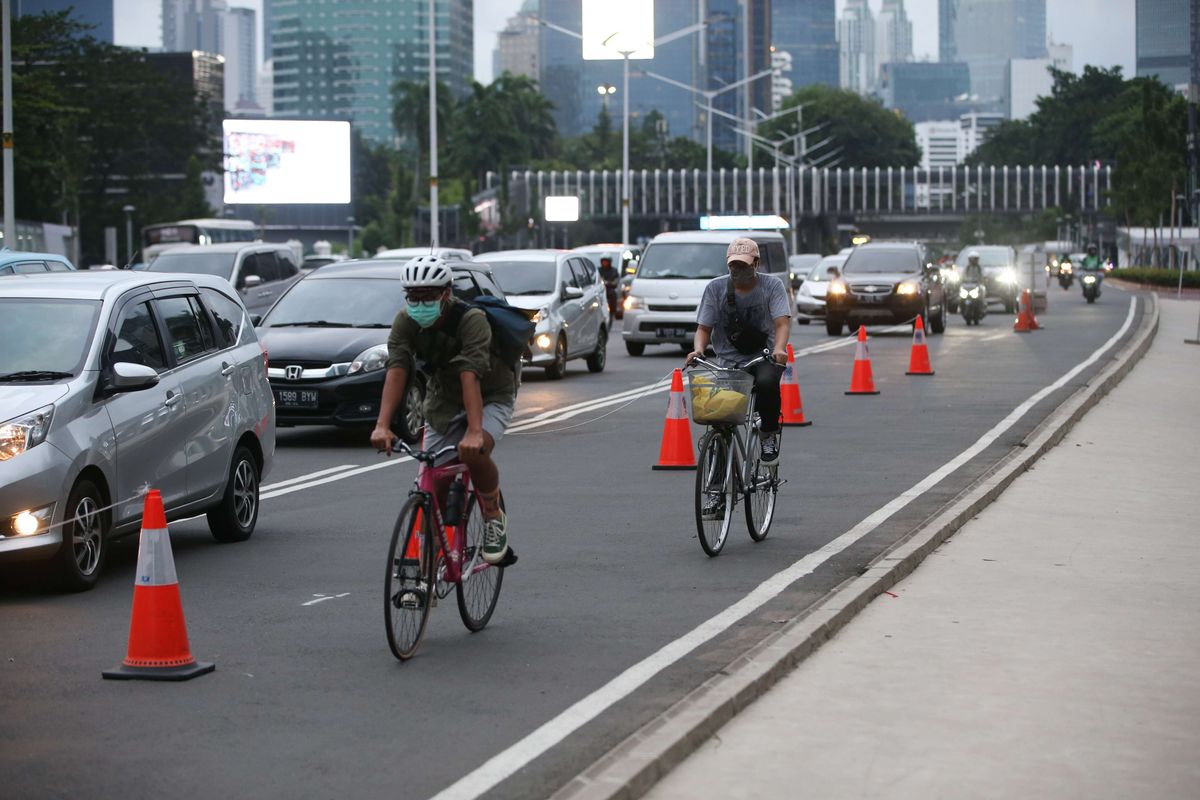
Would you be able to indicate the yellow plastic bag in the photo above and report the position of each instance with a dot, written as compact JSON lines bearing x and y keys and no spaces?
{"x":717,"y":405}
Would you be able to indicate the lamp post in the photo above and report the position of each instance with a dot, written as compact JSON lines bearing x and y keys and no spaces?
{"x":128,"y":233}
{"x":1179,"y":201}
{"x":433,"y":129}
{"x":605,"y":90}
{"x":350,"y":237}
{"x":10,"y":222}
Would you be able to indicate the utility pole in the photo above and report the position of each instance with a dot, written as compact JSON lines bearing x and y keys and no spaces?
{"x":433,"y":128}
{"x":10,"y":222}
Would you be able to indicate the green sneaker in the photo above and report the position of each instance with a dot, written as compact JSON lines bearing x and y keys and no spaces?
{"x":495,"y":539}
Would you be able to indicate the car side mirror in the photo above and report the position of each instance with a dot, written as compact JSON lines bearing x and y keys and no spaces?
{"x":572,"y":292}
{"x":127,"y":377}
{"x":250,"y":281}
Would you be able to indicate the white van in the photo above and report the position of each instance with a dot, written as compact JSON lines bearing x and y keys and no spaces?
{"x":675,"y":268}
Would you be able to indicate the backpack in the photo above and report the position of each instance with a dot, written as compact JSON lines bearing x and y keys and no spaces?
{"x":511,"y":326}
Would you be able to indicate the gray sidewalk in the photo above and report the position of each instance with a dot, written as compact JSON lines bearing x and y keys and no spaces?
{"x":1051,"y":648}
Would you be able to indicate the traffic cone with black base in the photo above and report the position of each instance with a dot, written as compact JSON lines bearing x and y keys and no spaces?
{"x":862,"y":381}
{"x":676,"y":451}
{"x":1026,"y":321}
{"x":918,"y":362}
{"x":158,"y":643}
{"x":791,"y":406}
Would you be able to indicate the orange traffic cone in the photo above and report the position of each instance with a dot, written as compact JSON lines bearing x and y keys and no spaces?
{"x":862,"y":381}
{"x":676,"y":451}
{"x":789,"y":395}
{"x":918,"y":362}
{"x":158,"y":644}
{"x":1026,"y":321}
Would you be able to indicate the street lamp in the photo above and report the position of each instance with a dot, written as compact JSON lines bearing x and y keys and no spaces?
{"x":129,"y":234}
{"x":350,"y":237}
{"x":433,"y":147}
{"x":604,"y":90}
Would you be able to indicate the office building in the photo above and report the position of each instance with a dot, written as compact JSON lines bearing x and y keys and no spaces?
{"x":856,"y":42}
{"x":986,"y":35}
{"x":974,"y":129}
{"x":924,"y":91}
{"x":1030,"y":78}
{"x":194,"y":25}
{"x":1164,"y":40}
{"x":241,"y":61}
{"x":96,"y":13}
{"x":341,"y":61}
{"x":893,"y":35}
{"x":939,"y":143}
{"x":781,"y":82}
{"x":756,"y":29}
{"x":517,"y":45}
{"x":807,"y":30}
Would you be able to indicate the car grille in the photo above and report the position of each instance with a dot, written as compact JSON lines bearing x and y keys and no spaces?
{"x":302,"y":363}
{"x":871,"y":290}
{"x":675,"y":309}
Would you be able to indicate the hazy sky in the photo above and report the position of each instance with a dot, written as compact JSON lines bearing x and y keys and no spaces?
{"x":1102,"y":31}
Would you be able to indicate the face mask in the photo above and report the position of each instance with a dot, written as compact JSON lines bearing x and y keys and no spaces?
{"x":742,"y":276}
{"x":425,"y":313}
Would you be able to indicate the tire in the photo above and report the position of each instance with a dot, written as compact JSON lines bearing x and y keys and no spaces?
{"x":81,"y":558}
{"x":833,"y":326}
{"x":760,"y":492}
{"x":559,"y":366}
{"x":803,"y":321}
{"x":635,"y":348}
{"x":599,"y":357}
{"x":686,"y":348}
{"x":1010,"y":306}
{"x":1091,"y":299}
{"x":479,"y":591}
{"x":938,"y":324}
{"x":410,"y":419}
{"x":408,"y":588}
{"x":714,"y":468}
{"x":233,"y":520}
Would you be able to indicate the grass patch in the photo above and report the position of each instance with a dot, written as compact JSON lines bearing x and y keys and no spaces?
{"x":1155,"y":276}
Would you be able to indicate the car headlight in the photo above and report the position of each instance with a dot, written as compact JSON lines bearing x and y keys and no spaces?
{"x":369,"y":360}
{"x":20,"y":434}
{"x":907,"y":288}
{"x":837,"y":288}
{"x":1089,"y":278}
{"x":28,"y":523}
{"x":634,"y":302}
{"x":1007,"y":275}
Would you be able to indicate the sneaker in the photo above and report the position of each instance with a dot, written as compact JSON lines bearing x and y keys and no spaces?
{"x":770,"y":448}
{"x":495,"y":539}
{"x":714,"y":506}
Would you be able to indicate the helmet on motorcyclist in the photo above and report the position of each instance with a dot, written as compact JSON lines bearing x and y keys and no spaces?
{"x":605,"y":261}
{"x":1091,"y":249}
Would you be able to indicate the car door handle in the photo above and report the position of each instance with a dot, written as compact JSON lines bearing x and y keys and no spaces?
{"x":172,"y":399}
{"x":227,"y":369}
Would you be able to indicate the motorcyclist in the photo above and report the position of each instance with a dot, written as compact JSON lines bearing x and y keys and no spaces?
{"x":611,"y":278}
{"x":973,"y":271}
{"x":1092,"y":262}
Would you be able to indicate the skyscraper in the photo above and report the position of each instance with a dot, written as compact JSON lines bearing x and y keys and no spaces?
{"x":893,"y":35}
{"x":1164,"y":40}
{"x":341,"y":61}
{"x":517,"y":45}
{"x":241,"y":60}
{"x":194,"y":25}
{"x":807,"y":30}
{"x":97,"y":13}
{"x":986,"y":35}
{"x":856,"y":40}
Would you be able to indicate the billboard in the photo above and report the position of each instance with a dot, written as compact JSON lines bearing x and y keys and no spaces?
{"x":613,"y":26}
{"x":271,"y":161}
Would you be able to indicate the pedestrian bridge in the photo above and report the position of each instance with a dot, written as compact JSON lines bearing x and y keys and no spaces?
{"x":796,"y":193}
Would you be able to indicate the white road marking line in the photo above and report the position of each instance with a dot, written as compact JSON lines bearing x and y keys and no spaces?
{"x":273,"y":486}
{"x":383,"y":464}
{"x":321,"y":598}
{"x":517,"y":756}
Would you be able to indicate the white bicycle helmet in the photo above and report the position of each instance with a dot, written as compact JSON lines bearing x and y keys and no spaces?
{"x":426,"y":272}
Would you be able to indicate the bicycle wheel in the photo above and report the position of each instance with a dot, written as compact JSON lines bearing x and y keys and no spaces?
{"x":408,"y":588}
{"x":714,"y":488}
{"x":480,"y":585}
{"x":761,"y":487}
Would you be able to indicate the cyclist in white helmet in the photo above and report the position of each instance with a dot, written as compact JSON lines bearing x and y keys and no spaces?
{"x":470,"y":391}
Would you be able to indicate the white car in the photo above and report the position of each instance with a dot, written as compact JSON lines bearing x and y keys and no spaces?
{"x":810,"y":297}
{"x":115,"y":382}
{"x":444,"y":253}
{"x":566,"y":291}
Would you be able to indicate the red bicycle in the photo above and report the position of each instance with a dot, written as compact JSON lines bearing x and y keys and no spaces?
{"x":437,"y":547}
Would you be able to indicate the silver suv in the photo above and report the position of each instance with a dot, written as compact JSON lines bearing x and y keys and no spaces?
{"x":112,"y":383}
{"x":260,"y":271}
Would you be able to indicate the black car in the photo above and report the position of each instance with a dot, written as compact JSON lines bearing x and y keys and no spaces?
{"x":326,"y":339}
{"x":886,"y":283}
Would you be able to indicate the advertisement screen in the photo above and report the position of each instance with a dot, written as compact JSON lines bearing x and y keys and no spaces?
{"x":270,"y":161}
{"x":611,"y":27}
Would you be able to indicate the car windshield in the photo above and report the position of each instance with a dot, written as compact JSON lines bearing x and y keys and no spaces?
{"x":671,"y":260}
{"x":338,"y":303}
{"x":987,"y":257}
{"x":45,"y":336}
{"x":877,"y":260}
{"x":204,"y":263}
{"x":819,"y":272}
{"x":524,"y":277}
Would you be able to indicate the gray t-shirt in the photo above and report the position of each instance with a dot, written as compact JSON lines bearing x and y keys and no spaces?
{"x":758,"y":308}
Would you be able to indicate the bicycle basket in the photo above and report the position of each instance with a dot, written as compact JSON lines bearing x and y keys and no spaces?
{"x":719,"y":396}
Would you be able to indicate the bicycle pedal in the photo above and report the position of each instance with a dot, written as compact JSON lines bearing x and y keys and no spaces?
{"x":510,"y":558}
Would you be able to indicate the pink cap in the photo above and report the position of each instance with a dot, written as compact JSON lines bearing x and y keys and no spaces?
{"x":742,"y":249}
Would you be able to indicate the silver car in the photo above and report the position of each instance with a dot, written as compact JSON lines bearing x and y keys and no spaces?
{"x":810,"y":297}
{"x":112,"y":383}
{"x":565,"y":290}
{"x":260,"y":271}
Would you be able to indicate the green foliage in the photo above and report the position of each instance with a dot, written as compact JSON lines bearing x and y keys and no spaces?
{"x":1012,"y":230}
{"x":866,"y":133}
{"x":1151,"y":276}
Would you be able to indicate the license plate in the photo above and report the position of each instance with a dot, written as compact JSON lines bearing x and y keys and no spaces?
{"x":672,"y":333}
{"x":871,"y":299}
{"x":296,"y":398}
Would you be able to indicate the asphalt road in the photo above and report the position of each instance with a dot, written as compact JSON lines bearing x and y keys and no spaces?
{"x":307,"y":701}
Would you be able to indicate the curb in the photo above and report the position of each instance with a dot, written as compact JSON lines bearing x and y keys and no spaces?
{"x":631,"y":768}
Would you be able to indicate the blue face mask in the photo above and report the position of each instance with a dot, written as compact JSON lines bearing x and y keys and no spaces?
{"x":425,"y":313}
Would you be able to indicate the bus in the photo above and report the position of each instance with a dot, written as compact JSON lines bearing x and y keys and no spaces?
{"x":156,"y":238}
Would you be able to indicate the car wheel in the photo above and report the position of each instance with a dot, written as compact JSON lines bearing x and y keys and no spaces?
{"x":833,"y":326}
{"x":635,"y":348}
{"x":410,"y":419}
{"x":938,"y":324}
{"x":596,"y":361}
{"x":558,"y":367}
{"x":803,"y":321}
{"x":234,"y":519}
{"x":85,"y":538}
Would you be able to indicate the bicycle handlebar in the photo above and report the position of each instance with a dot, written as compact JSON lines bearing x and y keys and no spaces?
{"x":427,"y":456}
{"x":704,"y":362}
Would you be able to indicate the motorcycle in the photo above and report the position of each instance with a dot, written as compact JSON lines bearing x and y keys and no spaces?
{"x":1091,"y":286}
{"x":1066,"y":275}
{"x":972,"y":300}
